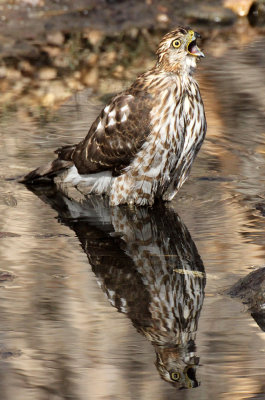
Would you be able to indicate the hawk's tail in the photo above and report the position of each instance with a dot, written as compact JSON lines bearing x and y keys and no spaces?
{"x":46,"y":172}
{"x":53,"y":168}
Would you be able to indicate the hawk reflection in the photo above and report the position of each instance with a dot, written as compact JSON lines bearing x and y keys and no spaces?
{"x":149,"y":268}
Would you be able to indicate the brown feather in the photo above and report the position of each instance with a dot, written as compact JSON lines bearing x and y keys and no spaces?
{"x":113,"y":146}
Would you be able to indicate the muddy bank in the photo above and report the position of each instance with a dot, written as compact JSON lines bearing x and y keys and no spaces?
{"x":50,"y":49}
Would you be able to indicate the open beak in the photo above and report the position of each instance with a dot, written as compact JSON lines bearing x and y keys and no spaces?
{"x":192,"y":47}
{"x":191,"y":380}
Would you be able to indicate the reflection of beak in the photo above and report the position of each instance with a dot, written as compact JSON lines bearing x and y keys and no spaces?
{"x":192,"y":47}
{"x":190,"y":373}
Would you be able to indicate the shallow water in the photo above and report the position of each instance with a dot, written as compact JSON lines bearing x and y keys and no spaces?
{"x":93,"y":297}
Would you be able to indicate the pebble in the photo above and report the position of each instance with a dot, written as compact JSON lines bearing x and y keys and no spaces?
{"x":51,"y":50}
{"x":61,"y":61}
{"x":55,"y":38}
{"x":107,"y":59}
{"x":26,"y":67}
{"x":91,"y":77}
{"x":73,"y":83}
{"x":118,"y":72}
{"x":93,"y":36}
{"x":13,"y":74}
{"x":47,"y":73}
{"x":91,"y":59}
{"x":163,"y":18}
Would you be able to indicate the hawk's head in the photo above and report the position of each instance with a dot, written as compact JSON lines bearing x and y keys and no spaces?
{"x":178,"y":365}
{"x":178,"y":51}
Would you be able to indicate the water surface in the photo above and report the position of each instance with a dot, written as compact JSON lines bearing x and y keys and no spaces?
{"x":100,"y":303}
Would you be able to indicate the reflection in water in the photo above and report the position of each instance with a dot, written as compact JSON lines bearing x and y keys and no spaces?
{"x":59,"y":337}
{"x":148,"y":266}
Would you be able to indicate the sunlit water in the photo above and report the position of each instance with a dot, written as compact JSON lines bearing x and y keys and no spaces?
{"x":100,"y":303}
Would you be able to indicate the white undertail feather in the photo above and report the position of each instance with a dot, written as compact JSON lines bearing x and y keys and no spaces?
{"x":98,"y":183}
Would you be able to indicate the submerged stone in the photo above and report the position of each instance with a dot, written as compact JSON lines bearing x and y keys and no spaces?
{"x":251,"y":290}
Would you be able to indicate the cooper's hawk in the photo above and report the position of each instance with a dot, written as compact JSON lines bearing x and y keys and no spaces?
{"x":144,"y":141}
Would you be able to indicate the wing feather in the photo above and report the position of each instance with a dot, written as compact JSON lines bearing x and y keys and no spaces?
{"x":115,"y":136}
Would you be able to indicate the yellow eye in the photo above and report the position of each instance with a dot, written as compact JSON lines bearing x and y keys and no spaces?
{"x":176,"y":43}
{"x":174,"y":376}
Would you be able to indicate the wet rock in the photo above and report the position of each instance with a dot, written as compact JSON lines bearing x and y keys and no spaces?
{"x":47,"y":73}
{"x":240,"y":7}
{"x":251,"y":290}
{"x":256,"y":14}
{"x":210,"y":14}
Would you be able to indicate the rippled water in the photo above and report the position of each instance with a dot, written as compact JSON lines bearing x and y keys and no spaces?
{"x":100,"y":303}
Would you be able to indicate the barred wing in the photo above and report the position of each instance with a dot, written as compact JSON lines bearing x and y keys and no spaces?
{"x":115,"y":137}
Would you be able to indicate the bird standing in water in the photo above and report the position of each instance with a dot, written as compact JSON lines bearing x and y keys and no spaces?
{"x":143,"y":143}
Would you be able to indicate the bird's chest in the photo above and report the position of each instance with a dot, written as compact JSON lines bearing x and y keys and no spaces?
{"x":192,"y":120}
{"x":177,"y":125}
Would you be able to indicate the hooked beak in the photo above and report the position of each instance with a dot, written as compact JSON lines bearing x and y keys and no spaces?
{"x":192,"y":47}
{"x":190,"y":373}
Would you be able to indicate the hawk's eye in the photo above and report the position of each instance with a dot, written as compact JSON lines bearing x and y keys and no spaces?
{"x":174,"y":376}
{"x":176,"y":43}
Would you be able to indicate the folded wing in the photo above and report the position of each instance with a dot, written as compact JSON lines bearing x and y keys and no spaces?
{"x":115,"y":137}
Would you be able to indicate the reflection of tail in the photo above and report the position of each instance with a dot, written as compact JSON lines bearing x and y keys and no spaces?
{"x":148,"y":266}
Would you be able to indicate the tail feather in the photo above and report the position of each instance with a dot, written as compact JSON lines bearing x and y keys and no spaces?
{"x":46,"y":172}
